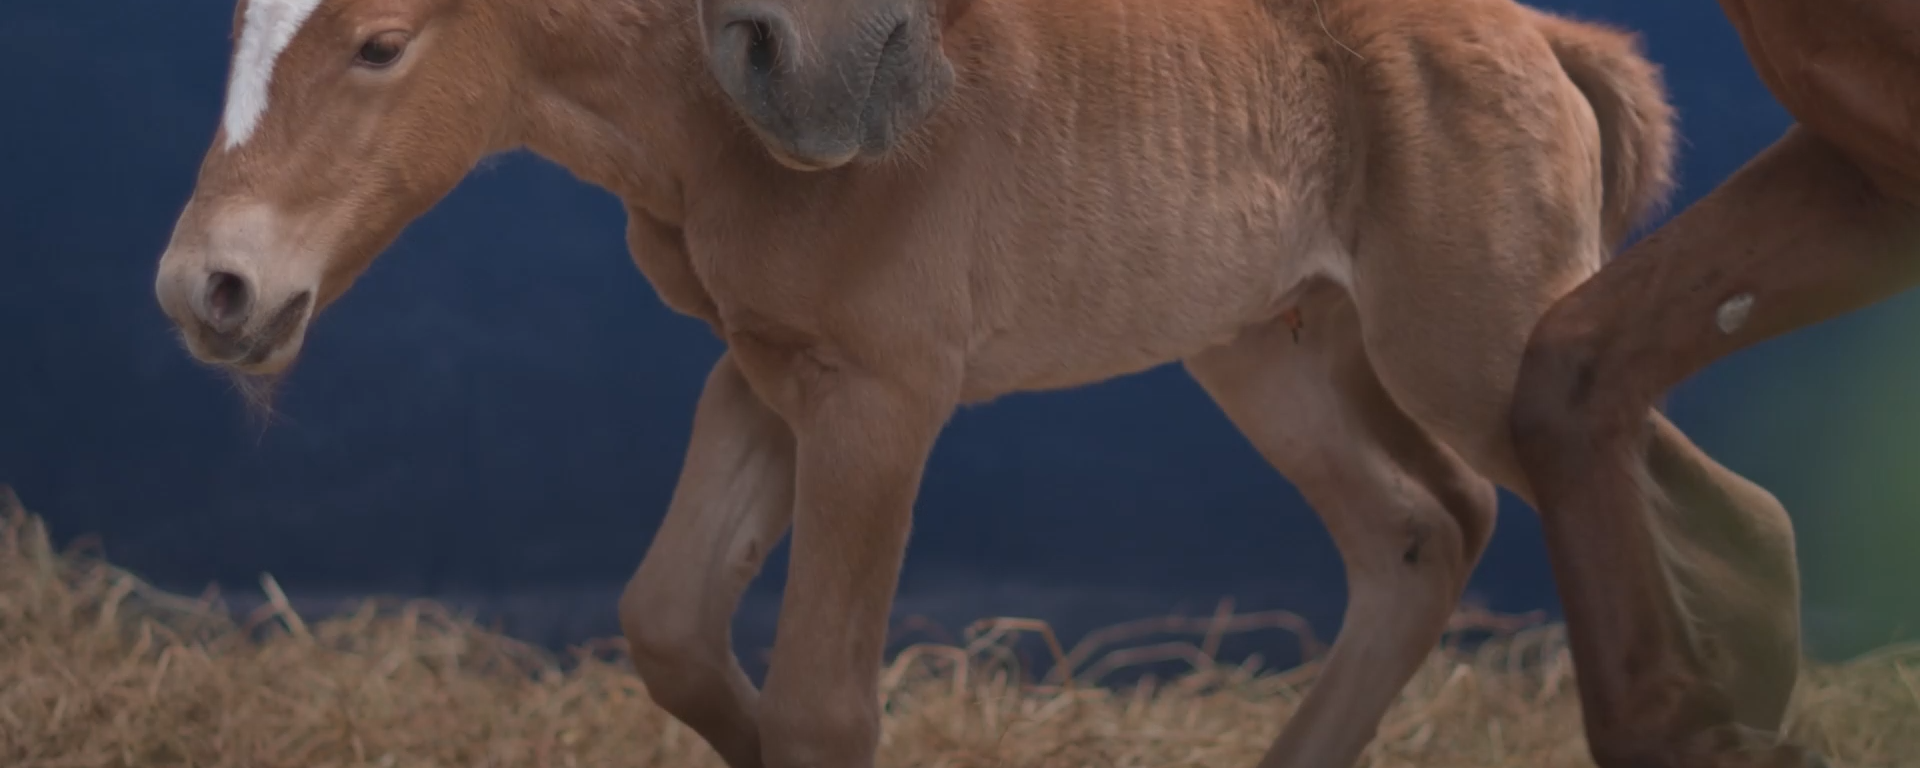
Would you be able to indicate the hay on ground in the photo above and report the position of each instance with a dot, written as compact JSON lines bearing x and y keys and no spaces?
{"x":99,"y":669}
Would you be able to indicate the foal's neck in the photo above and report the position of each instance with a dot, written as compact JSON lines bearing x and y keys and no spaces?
{"x":617,"y":92}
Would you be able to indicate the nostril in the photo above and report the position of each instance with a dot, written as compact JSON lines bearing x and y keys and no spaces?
{"x":227,"y":300}
{"x":763,"y":46}
{"x":895,"y":45}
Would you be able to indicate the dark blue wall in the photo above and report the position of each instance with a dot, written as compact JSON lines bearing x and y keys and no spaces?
{"x":496,"y":412}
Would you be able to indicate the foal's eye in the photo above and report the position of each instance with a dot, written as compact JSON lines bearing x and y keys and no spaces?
{"x":381,"y":49}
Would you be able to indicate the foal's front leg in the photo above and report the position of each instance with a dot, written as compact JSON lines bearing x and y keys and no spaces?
{"x":732,"y":504}
{"x":862,"y":438}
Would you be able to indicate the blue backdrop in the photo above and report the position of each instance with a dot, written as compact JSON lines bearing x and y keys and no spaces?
{"x":495,"y":414}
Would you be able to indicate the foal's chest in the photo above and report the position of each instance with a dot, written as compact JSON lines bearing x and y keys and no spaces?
{"x":799,"y":275}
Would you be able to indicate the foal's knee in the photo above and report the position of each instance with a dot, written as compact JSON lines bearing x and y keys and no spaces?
{"x":682,"y":654}
{"x":649,"y":624}
{"x":667,"y":643}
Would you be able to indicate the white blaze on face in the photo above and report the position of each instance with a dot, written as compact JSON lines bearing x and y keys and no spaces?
{"x":265,"y":32}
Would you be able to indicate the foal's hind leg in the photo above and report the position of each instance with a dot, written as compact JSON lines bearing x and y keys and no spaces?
{"x":733,"y":502}
{"x":1797,"y":236}
{"x":1409,"y":517}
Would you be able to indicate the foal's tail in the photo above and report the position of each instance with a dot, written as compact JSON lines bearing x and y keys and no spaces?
{"x":1636,"y":122}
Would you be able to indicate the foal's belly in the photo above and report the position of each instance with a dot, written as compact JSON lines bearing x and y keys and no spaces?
{"x":1036,"y":362}
{"x":1123,"y":313}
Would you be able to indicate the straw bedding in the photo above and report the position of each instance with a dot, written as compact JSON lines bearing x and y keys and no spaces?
{"x":99,"y":669}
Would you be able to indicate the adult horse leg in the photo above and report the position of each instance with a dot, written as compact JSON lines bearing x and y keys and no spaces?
{"x":1410,"y":518}
{"x":732,"y":504}
{"x":1798,"y":235}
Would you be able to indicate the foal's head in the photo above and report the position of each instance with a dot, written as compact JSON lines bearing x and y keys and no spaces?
{"x":825,"y":81}
{"x":345,"y":120}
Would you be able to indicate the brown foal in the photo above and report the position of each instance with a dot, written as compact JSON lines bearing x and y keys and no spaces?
{"x":1823,"y":222}
{"x":889,"y":208}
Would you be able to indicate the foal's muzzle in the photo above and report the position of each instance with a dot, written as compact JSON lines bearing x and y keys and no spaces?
{"x":220,"y":314}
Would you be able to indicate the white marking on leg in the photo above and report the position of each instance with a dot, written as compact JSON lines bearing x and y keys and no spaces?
{"x":269,"y":26}
{"x":1733,"y":313}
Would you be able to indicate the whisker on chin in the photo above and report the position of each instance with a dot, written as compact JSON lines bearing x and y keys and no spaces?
{"x":257,"y":392}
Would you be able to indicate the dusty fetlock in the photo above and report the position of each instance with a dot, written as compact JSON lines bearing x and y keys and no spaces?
{"x":691,"y":676}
